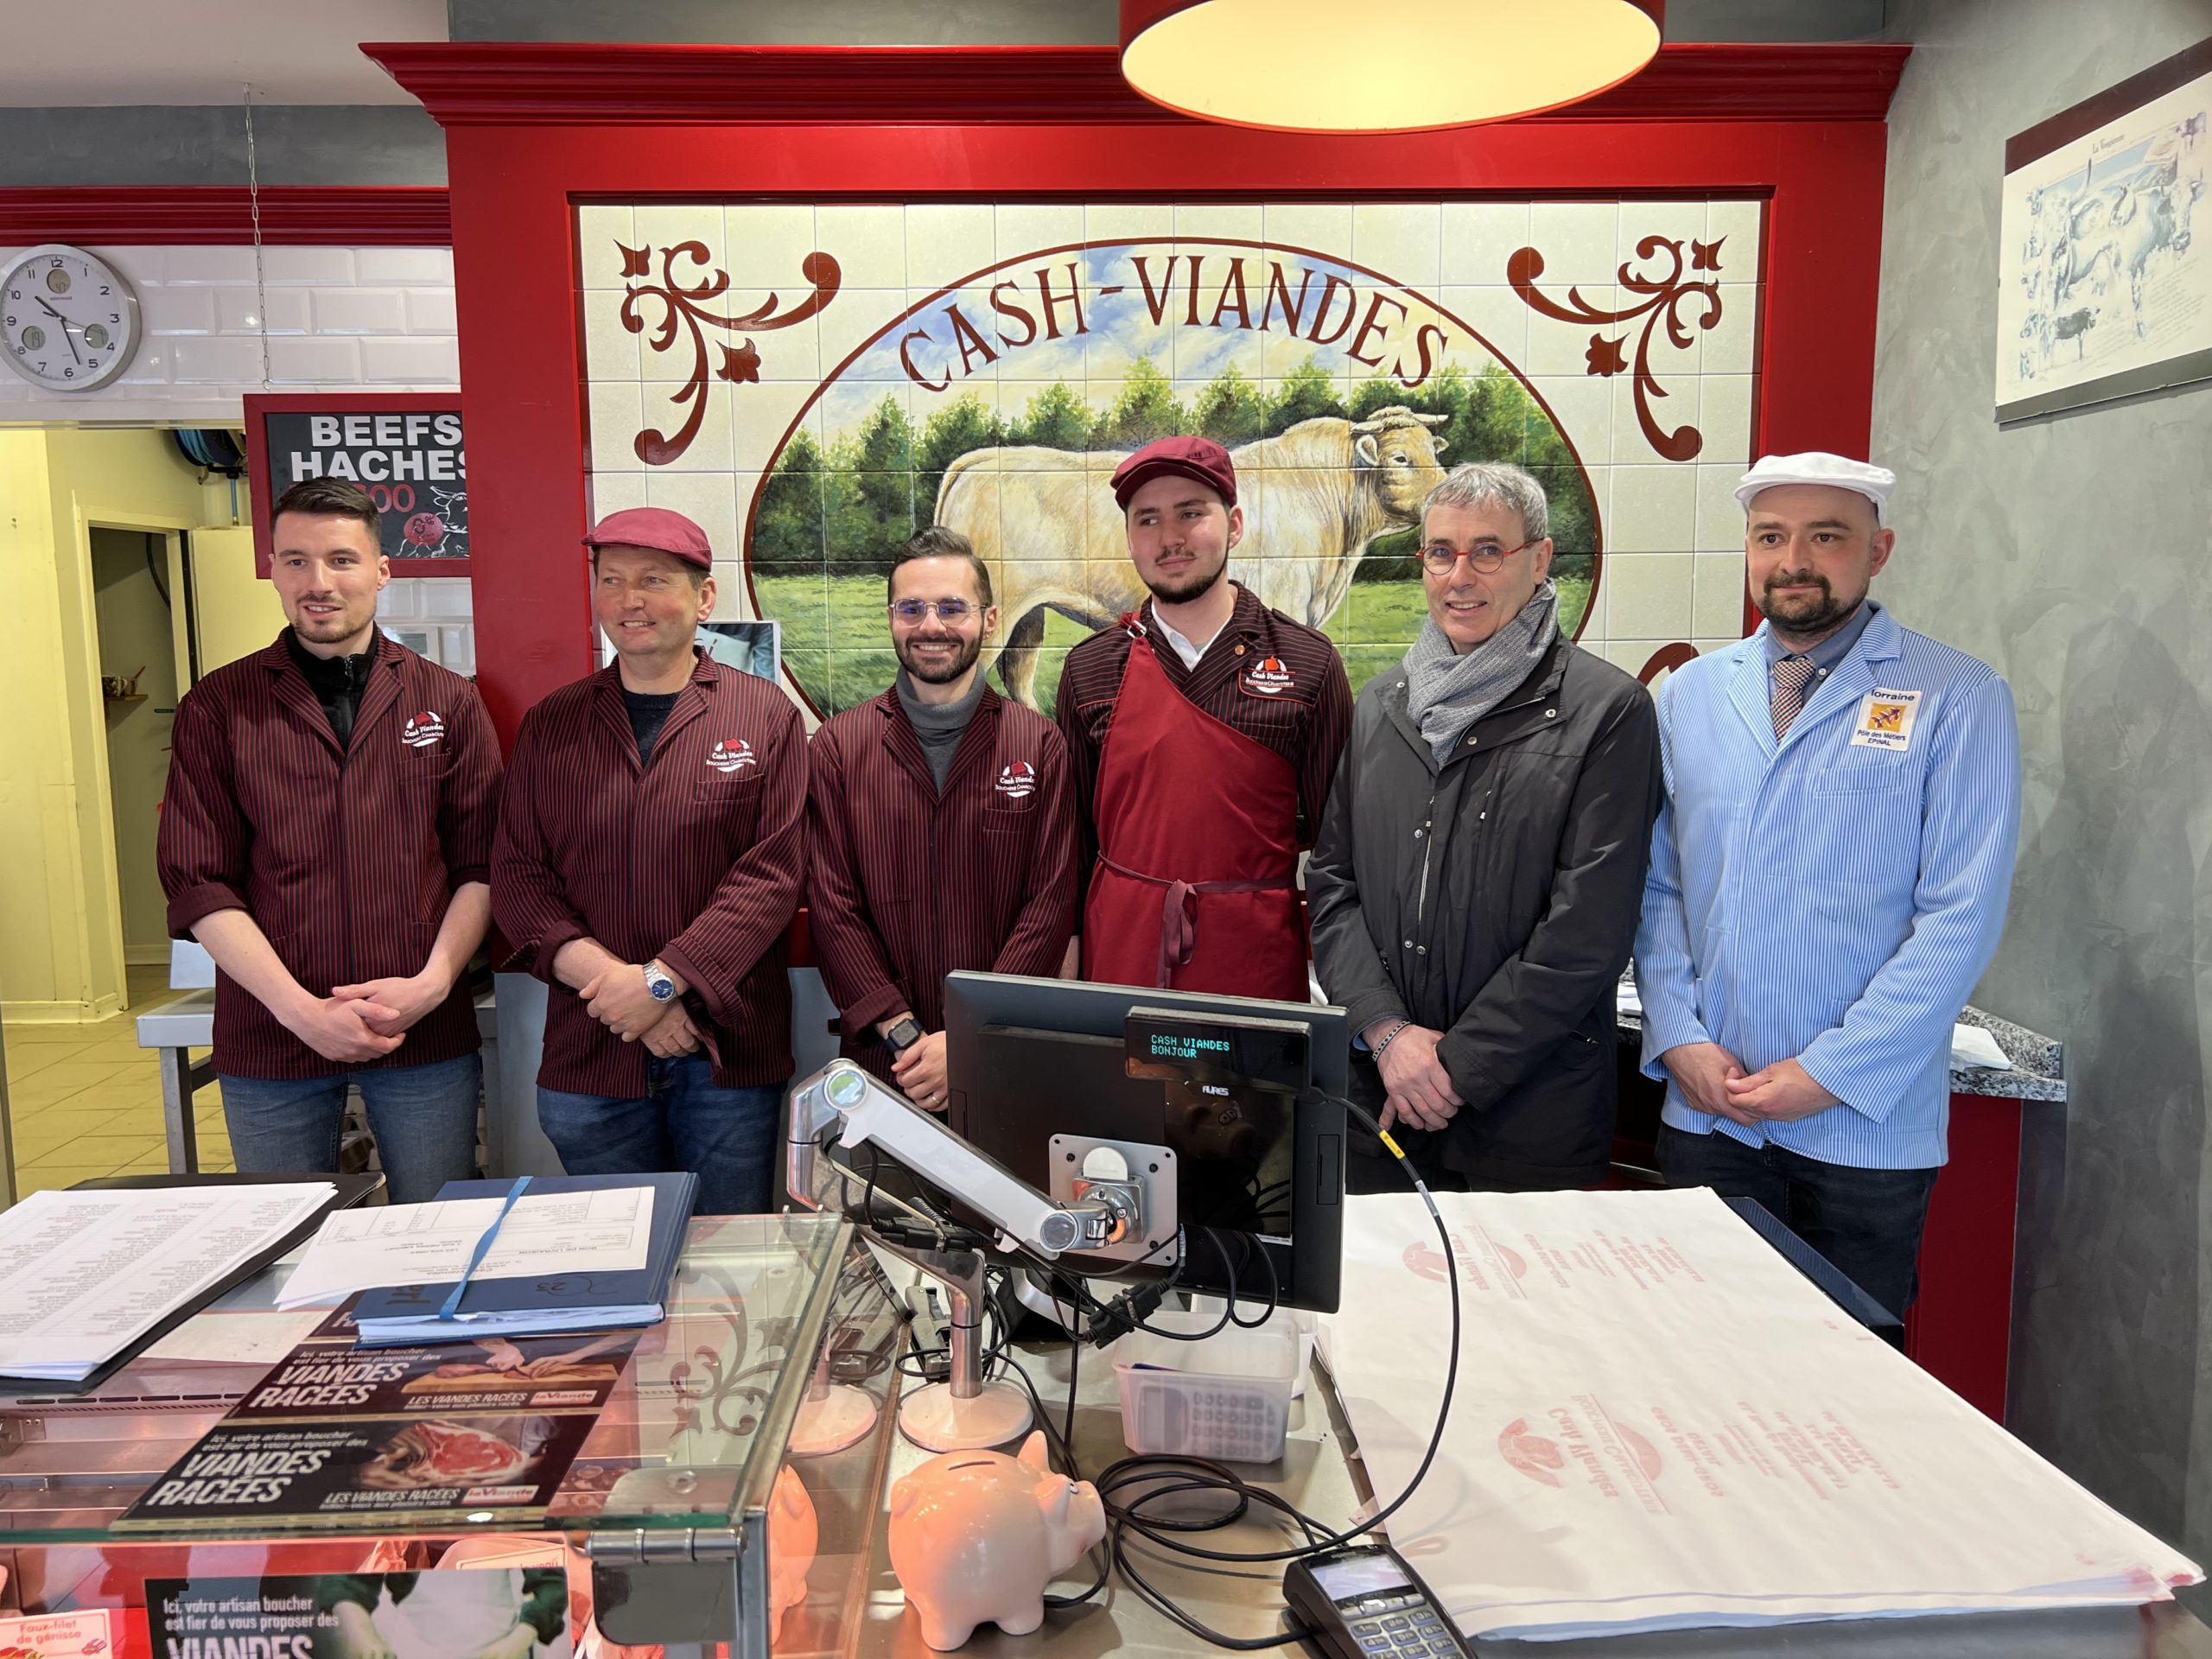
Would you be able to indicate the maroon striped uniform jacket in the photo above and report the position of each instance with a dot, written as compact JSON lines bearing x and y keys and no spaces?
{"x":698,"y":859}
{"x":1305,"y":722}
{"x":348,"y":859}
{"x":908,"y":885}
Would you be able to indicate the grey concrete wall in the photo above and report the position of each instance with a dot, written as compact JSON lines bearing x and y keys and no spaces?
{"x":165,"y":144}
{"x":2072,"y":553}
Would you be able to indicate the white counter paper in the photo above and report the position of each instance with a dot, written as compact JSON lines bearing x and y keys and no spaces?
{"x":1659,"y":1423}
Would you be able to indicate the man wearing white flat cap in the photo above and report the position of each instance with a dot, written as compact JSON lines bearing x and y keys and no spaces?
{"x":1828,"y":879}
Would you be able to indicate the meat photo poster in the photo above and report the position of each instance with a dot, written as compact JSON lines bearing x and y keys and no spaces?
{"x":419,"y":1434}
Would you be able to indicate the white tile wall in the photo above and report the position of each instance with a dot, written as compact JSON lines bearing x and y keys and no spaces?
{"x":434,"y":615}
{"x":340,"y":318}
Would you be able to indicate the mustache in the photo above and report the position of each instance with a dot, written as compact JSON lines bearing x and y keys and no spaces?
{"x":1797,"y":578}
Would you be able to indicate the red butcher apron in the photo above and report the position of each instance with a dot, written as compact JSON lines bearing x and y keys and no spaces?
{"x":1196,"y":886}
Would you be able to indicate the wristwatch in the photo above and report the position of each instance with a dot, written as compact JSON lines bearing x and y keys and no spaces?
{"x":904,"y":1035}
{"x":658,"y":983}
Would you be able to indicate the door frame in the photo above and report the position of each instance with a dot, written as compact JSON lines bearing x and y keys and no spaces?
{"x":98,"y":855}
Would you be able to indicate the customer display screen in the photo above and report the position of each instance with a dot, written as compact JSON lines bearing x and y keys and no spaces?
{"x":1261,"y":1053}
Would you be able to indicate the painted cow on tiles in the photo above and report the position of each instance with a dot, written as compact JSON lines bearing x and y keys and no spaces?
{"x":1044,"y":520}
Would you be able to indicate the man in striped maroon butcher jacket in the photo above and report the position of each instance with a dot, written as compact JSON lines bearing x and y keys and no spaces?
{"x":651,"y":854}
{"x":327,"y":834}
{"x":942,"y":828}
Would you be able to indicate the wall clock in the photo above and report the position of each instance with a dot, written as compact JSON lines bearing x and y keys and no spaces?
{"x":69,"y":320}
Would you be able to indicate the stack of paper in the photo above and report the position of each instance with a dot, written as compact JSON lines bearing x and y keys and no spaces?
{"x":1660,"y":1424}
{"x":574,"y":1252}
{"x":83,"y":1274}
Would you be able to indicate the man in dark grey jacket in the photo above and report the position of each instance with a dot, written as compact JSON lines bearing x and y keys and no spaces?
{"x":1476,"y":885}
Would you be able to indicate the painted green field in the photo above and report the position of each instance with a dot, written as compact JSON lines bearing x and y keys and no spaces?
{"x":838,"y":641}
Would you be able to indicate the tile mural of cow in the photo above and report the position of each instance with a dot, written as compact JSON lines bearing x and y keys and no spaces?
{"x":813,"y":383}
{"x":1314,"y":497}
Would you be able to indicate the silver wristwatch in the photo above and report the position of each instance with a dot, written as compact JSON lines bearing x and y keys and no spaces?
{"x":662,"y":988}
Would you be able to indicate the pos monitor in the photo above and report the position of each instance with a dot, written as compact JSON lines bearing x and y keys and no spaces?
{"x":1039,"y":1070}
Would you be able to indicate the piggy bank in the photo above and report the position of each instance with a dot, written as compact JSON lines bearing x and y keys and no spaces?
{"x":793,"y":1533}
{"x":977,"y":1536}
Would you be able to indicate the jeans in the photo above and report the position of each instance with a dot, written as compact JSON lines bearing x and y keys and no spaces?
{"x":684,"y":1120}
{"x":423,"y":1118}
{"x":1867,"y":1222}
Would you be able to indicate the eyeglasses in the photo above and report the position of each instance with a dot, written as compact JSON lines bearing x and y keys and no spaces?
{"x":1483,"y":556}
{"x":952,"y":612}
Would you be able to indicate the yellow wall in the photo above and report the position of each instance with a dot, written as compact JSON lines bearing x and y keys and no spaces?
{"x":238,"y":610}
{"x":61,"y":934}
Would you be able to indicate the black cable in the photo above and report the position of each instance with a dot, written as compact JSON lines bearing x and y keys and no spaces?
{"x":1219,"y":1324}
{"x":1163,"y":1476}
{"x":1275,"y":1285}
{"x":1062,"y":1441}
{"x":1067,"y":1430}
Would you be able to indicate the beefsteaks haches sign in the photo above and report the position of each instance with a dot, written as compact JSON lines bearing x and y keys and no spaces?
{"x":406,"y":451}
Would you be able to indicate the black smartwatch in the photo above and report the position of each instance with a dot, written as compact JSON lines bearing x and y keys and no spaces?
{"x":903,"y":1036}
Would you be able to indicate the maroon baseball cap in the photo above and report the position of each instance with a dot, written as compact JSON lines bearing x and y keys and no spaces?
{"x":658,"y":529}
{"x":1197,"y":458}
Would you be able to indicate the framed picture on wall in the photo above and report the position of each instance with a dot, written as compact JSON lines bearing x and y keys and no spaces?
{"x":404,"y":448}
{"x":2103,"y":289}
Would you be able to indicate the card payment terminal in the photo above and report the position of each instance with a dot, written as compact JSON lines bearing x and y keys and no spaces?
{"x":1364,"y":1602}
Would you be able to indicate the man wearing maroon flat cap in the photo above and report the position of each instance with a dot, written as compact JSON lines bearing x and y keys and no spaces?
{"x":1203,"y":731}
{"x":651,"y":851}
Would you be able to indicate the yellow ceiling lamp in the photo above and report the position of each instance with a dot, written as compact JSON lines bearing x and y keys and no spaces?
{"x":1402,"y":65}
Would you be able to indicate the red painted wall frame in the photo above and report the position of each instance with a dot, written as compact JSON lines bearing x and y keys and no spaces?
{"x":530,"y":132}
{"x":260,"y":405}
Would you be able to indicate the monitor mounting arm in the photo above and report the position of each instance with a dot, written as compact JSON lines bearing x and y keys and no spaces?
{"x":1104,"y":1212}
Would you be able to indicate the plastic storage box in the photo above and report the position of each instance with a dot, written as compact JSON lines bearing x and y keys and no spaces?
{"x":1226,"y":1398}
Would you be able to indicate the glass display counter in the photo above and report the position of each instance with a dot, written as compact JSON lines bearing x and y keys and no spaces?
{"x":686,"y":1519}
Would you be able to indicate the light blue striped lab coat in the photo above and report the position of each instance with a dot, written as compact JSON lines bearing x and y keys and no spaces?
{"x":1825,"y":901}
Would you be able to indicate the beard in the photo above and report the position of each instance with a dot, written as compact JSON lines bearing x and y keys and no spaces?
{"x":946,"y":669}
{"x":1193,"y":583}
{"x":1805,"y":615}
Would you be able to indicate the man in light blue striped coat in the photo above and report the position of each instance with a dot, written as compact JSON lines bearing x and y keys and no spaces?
{"x":1828,"y":879}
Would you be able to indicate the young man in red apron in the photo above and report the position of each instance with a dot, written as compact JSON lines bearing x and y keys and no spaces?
{"x":1203,"y":731}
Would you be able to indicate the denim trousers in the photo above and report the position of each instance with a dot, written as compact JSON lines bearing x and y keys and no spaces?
{"x":423,"y":1118}
{"x":1867,"y":1222}
{"x":727,"y":1137}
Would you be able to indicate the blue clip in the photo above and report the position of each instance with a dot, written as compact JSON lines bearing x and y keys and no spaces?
{"x":452,"y":1308}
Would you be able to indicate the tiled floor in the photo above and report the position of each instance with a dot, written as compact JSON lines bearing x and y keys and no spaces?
{"x":86,"y":1100}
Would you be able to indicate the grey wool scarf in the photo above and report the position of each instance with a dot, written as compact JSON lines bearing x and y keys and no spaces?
{"x":1446,"y":692}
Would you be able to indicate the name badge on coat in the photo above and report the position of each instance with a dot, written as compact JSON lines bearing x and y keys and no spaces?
{"x":1886,"y":720}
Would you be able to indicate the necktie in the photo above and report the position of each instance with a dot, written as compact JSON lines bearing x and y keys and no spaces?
{"x":1791,"y":675}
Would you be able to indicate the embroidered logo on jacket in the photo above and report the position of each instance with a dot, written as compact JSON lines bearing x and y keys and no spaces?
{"x":1269,"y":676}
{"x":422,"y":730}
{"x":1018,"y":782}
{"x":731,"y":754}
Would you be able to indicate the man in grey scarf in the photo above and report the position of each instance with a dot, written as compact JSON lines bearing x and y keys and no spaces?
{"x":1478,"y":875}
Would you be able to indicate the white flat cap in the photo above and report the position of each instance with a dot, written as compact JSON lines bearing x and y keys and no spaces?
{"x":1818,"y":467}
